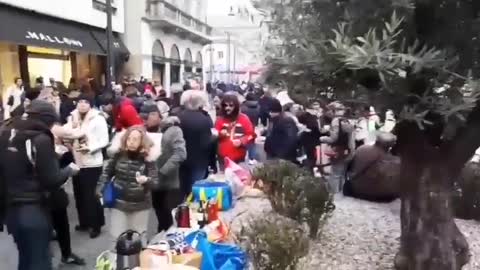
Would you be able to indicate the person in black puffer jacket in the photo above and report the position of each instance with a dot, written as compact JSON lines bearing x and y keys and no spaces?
{"x":28,"y":145}
{"x":251,"y":108}
{"x":134,"y":170}
{"x":196,"y":126}
{"x":281,"y":141}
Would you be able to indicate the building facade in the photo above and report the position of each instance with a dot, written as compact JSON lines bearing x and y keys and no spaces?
{"x":236,"y":47}
{"x":165,"y":39}
{"x":57,"y":39}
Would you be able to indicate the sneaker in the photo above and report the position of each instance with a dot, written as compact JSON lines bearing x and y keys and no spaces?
{"x":252,"y":162}
{"x":80,"y":228}
{"x":94,"y":233}
{"x":73,"y":260}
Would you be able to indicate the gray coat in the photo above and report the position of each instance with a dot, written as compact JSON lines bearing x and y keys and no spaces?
{"x":173,"y":154}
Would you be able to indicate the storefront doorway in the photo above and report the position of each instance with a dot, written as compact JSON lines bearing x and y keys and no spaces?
{"x":188,"y":62}
{"x":175,"y":62}
{"x":49,"y":63}
{"x":158,"y":63}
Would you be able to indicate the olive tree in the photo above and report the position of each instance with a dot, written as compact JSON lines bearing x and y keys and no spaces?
{"x":417,"y":57}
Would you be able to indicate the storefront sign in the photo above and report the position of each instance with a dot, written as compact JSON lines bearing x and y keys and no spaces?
{"x":53,"y":39}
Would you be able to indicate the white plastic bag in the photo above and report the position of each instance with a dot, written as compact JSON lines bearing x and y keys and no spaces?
{"x":237,"y":177}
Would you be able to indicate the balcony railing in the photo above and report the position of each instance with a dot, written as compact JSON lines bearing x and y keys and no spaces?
{"x":168,"y":15}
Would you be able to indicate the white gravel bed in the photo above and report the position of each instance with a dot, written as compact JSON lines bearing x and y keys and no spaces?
{"x":359,"y":236}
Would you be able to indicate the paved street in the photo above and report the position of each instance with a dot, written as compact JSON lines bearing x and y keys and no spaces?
{"x":82,"y":245}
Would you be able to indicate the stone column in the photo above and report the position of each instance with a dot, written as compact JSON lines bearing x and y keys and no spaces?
{"x":166,"y":80}
{"x":182,"y":72}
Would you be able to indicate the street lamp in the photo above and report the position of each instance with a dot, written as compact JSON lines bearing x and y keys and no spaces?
{"x":109,"y":75}
{"x":231,"y":13}
{"x":229,"y":45}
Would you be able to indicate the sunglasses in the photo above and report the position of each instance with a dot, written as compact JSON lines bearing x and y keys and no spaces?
{"x":228,"y":105}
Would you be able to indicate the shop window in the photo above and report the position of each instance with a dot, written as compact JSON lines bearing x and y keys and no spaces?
{"x":220,"y":55}
{"x":9,"y":65}
{"x":48,"y":63}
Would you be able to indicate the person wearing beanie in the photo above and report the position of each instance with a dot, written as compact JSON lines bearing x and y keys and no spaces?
{"x":124,"y":113}
{"x":28,"y":175}
{"x":165,"y":129}
{"x":281,"y":140}
{"x":87,"y":153}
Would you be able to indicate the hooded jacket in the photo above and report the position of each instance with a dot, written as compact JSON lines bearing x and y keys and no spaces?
{"x":95,"y":128}
{"x":281,"y":141}
{"x":239,"y":129}
{"x":132,"y":196}
{"x":25,"y":179}
{"x":252,"y":109}
{"x":126,"y":115}
{"x":173,"y":154}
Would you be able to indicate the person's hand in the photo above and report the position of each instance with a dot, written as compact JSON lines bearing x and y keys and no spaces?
{"x":223,"y":132}
{"x":237,"y":143}
{"x":74,"y":167}
{"x":83,"y":149}
{"x":141,"y":179}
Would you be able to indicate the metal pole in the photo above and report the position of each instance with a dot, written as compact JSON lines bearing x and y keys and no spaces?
{"x":229,"y":78}
{"x":234,"y":63}
{"x":110,"y":74}
{"x":211,"y":63}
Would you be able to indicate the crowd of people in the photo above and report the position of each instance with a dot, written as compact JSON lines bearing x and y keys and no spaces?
{"x":154,"y":147}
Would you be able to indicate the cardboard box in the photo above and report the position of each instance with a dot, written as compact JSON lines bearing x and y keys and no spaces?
{"x":188,"y":261}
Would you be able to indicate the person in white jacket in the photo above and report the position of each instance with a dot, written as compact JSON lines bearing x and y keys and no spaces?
{"x":87,"y":153}
{"x":13,"y":98}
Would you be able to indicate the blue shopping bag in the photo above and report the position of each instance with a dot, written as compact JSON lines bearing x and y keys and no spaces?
{"x":109,"y":194}
{"x":206,"y":190}
{"x":217,"y":256}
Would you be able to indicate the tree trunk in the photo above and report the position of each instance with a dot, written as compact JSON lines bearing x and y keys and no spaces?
{"x":430,"y":238}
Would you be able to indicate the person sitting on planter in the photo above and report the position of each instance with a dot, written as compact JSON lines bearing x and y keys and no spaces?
{"x":373,"y":171}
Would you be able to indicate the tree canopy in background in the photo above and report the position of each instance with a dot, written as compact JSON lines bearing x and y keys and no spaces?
{"x":417,"y":57}
{"x":370,"y":46}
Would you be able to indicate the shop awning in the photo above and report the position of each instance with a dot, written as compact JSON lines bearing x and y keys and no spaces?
{"x":118,"y":45}
{"x":31,"y":28}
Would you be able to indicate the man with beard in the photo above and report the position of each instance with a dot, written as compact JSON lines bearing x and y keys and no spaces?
{"x":235,"y":131}
{"x":28,"y":172}
{"x":88,"y":155}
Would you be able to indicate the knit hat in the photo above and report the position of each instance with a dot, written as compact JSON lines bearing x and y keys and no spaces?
{"x":149,"y":107}
{"x":275,"y":106}
{"x":87,"y":98}
{"x":43,"y":111}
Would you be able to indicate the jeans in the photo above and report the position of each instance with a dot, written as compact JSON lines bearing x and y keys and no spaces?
{"x":188,"y":176}
{"x":31,"y":231}
{"x":121,"y":221}
{"x":252,"y":151}
{"x":164,"y":201}
{"x":336,"y":179}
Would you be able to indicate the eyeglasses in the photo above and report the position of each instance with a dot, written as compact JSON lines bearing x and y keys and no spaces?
{"x":228,"y":105}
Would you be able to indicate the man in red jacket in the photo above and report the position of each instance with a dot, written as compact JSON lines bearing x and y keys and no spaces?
{"x":235,"y":131}
{"x":125,"y":115}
